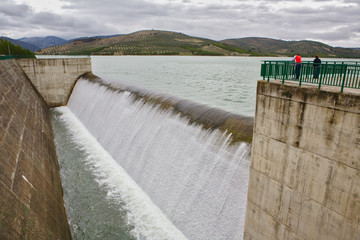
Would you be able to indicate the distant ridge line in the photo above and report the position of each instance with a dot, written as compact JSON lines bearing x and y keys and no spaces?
{"x":156,"y":42}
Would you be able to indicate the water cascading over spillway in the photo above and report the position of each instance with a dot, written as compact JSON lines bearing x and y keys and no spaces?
{"x":193,"y":175}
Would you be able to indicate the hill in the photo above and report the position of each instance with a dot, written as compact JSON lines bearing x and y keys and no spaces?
{"x":43,"y":42}
{"x":22,"y":44}
{"x":267,"y":46}
{"x":147,"y":42}
{"x":153,"y":42}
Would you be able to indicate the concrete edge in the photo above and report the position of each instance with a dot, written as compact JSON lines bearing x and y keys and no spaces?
{"x":323,"y":97}
{"x":240,"y":127}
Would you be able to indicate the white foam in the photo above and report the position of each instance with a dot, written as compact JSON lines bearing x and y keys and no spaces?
{"x":148,"y":220}
{"x":197,"y":179}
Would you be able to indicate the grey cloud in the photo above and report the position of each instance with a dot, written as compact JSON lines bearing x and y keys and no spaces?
{"x":241,"y":18}
{"x":14,"y":10}
{"x":351,"y":1}
{"x":113,"y":7}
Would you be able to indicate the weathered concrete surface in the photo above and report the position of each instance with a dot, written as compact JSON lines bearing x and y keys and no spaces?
{"x":305,"y":165}
{"x":55,"y":78}
{"x":241,"y":127}
{"x":31,"y":199}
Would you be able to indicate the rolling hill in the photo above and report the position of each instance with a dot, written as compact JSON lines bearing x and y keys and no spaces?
{"x":268,"y":46}
{"x":154,"y":42}
{"x":44,"y":42}
{"x":147,"y":42}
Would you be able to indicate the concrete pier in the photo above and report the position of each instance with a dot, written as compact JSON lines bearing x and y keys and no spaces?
{"x":305,"y":165}
{"x":55,"y":78}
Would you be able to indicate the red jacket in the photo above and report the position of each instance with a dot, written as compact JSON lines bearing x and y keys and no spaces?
{"x":297,"y":58}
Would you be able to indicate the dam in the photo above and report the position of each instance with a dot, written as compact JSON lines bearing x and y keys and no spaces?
{"x":205,"y":187}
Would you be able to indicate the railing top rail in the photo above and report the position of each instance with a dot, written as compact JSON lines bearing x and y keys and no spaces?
{"x":307,"y":61}
{"x":61,"y":56}
{"x":6,"y":57}
{"x":3,"y":57}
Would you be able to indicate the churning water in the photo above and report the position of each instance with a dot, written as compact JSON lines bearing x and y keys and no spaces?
{"x":131,"y":170}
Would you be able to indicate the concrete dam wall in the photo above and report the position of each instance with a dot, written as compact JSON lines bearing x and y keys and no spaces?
{"x":305,"y":165}
{"x":31,"y":202}
{"x":55,"y":78}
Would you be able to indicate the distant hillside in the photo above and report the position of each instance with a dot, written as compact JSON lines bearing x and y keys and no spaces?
{"x":23,"y":44}
{"x":267,"y":46}
{"x":153,"y":42}
{"x":148,"y":42}
{"x":44,"y":42}
{"x":100,"y":36}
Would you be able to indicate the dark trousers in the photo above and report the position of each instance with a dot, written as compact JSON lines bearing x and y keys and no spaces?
{"x":297,"y":70}
{"x":316,"y":71}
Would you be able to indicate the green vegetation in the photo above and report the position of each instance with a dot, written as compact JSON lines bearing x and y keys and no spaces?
{"x":86,"y":51}
{"x":15,"y":50}
{"x":196,"y":51}
{"x":230,"y":48}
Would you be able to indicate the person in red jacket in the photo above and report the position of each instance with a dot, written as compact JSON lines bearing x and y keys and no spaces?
{"x":297,"y":69}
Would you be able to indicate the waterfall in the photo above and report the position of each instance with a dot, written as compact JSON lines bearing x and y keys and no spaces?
{"x":195,"y":176}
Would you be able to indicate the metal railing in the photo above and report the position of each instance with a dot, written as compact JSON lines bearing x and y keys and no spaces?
{"x":4,"y":57}
{"x":332,"y":73}
{"x":62,"y":56}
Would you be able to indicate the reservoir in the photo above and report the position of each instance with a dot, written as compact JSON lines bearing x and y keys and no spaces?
{"x":228,"y":83}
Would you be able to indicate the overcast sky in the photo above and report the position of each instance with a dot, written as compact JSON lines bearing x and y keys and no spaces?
{"x":335,"y":22}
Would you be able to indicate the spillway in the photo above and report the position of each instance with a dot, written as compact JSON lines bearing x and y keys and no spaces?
{"x":196,"y":177}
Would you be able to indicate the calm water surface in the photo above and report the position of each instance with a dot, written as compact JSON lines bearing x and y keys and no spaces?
{"x":224,"y":82}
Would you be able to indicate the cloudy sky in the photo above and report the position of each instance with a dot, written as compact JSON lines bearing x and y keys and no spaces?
{"x":335,"y":22}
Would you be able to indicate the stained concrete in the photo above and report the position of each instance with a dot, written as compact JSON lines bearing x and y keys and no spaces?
{"x":305,"y":165}
{"x":55,"y":78}
{"x":31,"y":202}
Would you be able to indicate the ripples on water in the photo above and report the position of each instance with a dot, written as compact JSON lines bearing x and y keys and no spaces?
{"x":224,"y":82}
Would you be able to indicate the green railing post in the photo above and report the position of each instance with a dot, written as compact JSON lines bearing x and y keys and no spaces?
{"x":284,"y":72}
{"x":320,"y":76}
{"x":263,"y":70}
{"x":301,"y":75}
{"x":344,"y":77}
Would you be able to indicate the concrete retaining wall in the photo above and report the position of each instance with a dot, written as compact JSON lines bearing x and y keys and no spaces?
{"x":31,"y":198}
{"x":55,"y":78}
{"x":241,"y":127}
{"x":305,"y":165}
